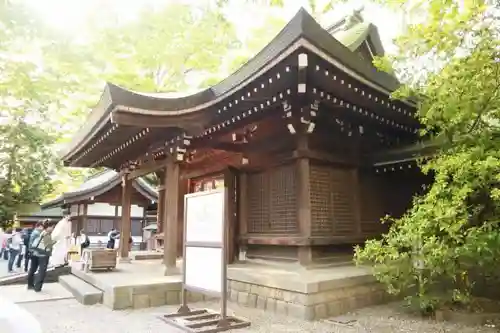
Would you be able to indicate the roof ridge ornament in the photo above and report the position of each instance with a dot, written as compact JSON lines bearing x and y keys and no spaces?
{"x":354,"y":18}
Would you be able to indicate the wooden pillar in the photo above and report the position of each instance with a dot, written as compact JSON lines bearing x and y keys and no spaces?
{"x":83,"y":221}
{"x":304,"y":200}
{"x":242,"y":212}
{"x":125,"y":220}
{"x":160,"y":206}
{"x":183,"y":190}
{"x":171,"y":218}
{"x":230,"y":210}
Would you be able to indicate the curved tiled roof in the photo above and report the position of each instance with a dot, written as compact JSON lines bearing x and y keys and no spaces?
{"x":301,"y":31}
{"x":99,"y":184}
{"x":47,"y":213}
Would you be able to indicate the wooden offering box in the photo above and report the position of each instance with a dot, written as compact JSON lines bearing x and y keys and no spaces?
{"x":99,"y":259}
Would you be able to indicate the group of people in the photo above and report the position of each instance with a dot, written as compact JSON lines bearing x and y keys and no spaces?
{"x":34,"y":246}
{"x":41,"y":244}
{"x":14,"y":243}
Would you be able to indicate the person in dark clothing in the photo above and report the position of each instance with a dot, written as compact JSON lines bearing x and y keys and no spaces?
{"x":112,"y":236}
{"x":26,"y":241}
{"x":84,"y":241}
{"x":41,"y":245}
{"x":25,"y":233}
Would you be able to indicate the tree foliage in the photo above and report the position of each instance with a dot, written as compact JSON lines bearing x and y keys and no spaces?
{"x":25,"y":156}
{"x":164,"y":47}
{"x":49,"y":81}
{"x":450,"y":61}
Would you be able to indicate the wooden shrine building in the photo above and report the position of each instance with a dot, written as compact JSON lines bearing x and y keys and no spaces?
{"x":305,"y":137}
{"x":95,"y":206}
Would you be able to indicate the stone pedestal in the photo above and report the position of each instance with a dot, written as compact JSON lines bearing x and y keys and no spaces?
{"x":124,"y":260}
{"x":173,"y":270}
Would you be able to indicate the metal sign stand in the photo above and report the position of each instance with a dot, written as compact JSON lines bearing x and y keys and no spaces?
{"x":205,"y":320}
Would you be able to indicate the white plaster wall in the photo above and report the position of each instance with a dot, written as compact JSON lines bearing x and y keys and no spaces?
{"x":135,"y":211}
{"x":100,"y":209}
{"x":74,"y":210}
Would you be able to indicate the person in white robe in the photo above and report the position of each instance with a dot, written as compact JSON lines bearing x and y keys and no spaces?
{"x":62,"y":235}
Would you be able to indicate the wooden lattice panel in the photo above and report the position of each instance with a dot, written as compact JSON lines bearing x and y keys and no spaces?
{"x":332,"y":201}
{"x":283,"y":191}
{"x":272,"y":201}
{"x":321,"y":189}
{"x":258,"y":203}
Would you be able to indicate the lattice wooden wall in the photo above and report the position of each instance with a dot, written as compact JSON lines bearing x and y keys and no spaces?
{"x":332,"y":201}
{"x":272,"y":206}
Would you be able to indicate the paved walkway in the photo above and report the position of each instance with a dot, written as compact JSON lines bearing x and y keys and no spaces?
{"x":68,"y":316}
{"x":58,"y":312}
{"x":3,"y":267}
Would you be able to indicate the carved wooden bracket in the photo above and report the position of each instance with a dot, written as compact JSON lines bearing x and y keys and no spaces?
{"x":178,"y":148}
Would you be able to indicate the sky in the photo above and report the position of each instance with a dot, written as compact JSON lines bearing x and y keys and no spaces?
{"x":69,"y":15}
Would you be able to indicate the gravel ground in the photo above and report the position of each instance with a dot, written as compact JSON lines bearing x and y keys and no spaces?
{"x":68,"y":316}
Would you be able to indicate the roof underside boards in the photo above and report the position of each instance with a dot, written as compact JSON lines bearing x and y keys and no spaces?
{"x":179,"y":112}
{"x":99,"y":184}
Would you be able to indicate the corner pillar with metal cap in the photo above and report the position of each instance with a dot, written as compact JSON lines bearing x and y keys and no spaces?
{"x":301,"y":123}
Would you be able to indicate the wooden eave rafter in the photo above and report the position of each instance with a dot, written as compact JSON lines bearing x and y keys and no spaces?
{"x":301,"y":33}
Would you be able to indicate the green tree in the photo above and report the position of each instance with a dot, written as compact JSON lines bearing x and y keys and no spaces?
{"x":25,"y":98}
{"x":164,"y":47}
{"x":49,"y":81}
{"x":449,"y":59}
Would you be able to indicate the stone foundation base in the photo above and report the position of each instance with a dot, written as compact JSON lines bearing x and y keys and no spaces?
{"x":140,"y":297}
{"x":313,"y":306}
{"x":306,"y":294}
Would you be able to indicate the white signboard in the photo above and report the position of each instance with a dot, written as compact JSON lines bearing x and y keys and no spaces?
{"x":204,"y":268}
{"x":205,"y":217}
{"x":204,"y":258}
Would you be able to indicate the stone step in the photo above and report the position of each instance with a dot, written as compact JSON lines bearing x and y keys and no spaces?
{"x":84,"y":293}
{"x":53,"y":274}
